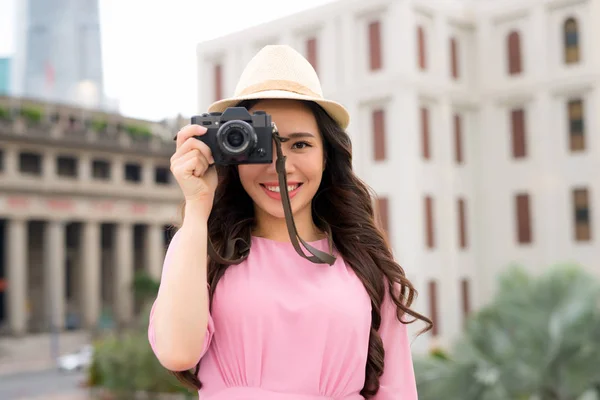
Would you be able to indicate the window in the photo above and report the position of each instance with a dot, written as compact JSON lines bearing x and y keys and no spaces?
{"x":454,"y":58}
{"x":433,"y":307}
{"x":311,"y":52}
{"x":66,"y":166}
{"x":576,"y":125}
{"x":382,"y":214}
{"x":378,"y":121}
{"x":581,"y":208}
{"x":466,"y":298}
{"x":218,"y":81}
{"x":523,"y":218}
{"x":458,"y":151}
{"x":421,"y":48}
{"x":30,"y":163}
{"x":571,"y":41}
{"x":375,"y":59}
{"x":519,"y":148}
{"x":462,"y":223}
{"x":101,"y":169}
{"x":429,"y":230}
{"x":425,"y":133}
{"x":514,"y":53}
{"x":133,"y":172}
{"x":162,"y":175}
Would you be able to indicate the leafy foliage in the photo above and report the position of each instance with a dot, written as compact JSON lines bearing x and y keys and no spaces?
{"x":539,"y":339}
{"x":125,"y":364}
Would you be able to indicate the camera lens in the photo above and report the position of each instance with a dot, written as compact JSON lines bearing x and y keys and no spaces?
{"x":235,"y":138}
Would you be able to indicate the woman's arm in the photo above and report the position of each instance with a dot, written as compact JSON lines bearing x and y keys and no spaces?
{"x":398,"y":379}
{"x":180,"y":325}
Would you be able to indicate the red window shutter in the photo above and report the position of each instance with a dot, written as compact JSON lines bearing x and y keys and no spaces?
{"x":514,"y":53}
{"x":518,"y":133}
{"x":375,"y":61}
{"x":454,"y":57}
{"x":462,"y":223}
{"x":378,"y":122}
{"x":466,"y":298}
{"x":425,"y":133}
{"x":523,"y":218}
{"x":433,"y":307}
{"x":311,"y":52}
{"x":458,"y":153}
{"x":218,"y":82}
{"x":429,"y":223}
{"x":421,"y":46}
{"x":382,"y":216}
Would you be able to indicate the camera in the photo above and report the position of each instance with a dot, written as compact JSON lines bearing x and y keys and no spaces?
{"x":237,"y":137}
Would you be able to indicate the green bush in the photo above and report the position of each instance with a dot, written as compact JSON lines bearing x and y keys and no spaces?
{"x":538,"y":339}
{"x":124,"y":363}
{"x":4,"y":114}
{"x":32,"y":114}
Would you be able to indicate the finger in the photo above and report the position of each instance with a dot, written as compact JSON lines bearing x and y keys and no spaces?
{"x":185,"y":168}
{"x":177,"y":163}
{"x":187,"y":132}
{"x":201,"y":165}
{"x":190,"y":144}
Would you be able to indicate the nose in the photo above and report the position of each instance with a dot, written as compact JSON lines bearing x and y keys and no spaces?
{"x":289,"y":166}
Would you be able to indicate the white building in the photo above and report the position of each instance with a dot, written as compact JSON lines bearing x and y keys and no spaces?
{"x":473,"y":120}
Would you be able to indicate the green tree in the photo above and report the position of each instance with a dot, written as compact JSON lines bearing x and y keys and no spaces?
{"x":539,"y":339}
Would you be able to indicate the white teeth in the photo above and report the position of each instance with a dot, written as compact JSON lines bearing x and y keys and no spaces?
{"x":276,"y":188}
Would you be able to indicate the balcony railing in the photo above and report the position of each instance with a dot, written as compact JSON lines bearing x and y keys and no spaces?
{"x":69,"y":126}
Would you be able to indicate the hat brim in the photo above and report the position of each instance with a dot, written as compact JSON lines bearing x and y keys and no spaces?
{"x":335,"y":110}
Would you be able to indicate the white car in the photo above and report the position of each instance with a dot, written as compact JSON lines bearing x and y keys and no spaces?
{"x":76,"y":361}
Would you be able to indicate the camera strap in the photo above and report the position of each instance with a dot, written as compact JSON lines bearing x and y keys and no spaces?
{"x":317,"y":256}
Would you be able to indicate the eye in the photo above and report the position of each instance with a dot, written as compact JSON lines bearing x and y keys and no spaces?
{"x":300,"y":145}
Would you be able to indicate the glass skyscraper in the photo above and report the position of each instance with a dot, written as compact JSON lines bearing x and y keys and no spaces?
{"x":61,"y":58}
{"x":4,"y":76}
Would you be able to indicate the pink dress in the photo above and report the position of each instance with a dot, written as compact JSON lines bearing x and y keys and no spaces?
{"x":283,"y":328}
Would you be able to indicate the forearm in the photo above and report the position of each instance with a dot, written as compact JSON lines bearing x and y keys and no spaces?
{"x":181,"y":309}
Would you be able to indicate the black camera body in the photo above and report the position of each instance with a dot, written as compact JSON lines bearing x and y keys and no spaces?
{"x":237,"y":137}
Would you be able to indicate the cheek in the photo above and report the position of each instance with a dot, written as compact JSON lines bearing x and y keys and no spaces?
{"x":248,"y":174}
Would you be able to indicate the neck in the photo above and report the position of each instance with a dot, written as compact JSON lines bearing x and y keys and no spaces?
{"x":274,"y":228}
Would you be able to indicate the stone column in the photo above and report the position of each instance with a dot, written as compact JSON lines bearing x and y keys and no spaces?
{"x":85,"y":168}
{"x":118,"y":170}
{"x":16,"y":247}
{"x":11,"y":162}
{"x":90,"y":264}
{"x":148,"y":173}
{"x":49,"y":164}
{"x":123,"y":273}
{"x":54,"y":272}
{"x":155,"y":251}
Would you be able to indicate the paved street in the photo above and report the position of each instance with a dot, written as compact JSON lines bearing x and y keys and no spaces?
{"x":42,"y":385}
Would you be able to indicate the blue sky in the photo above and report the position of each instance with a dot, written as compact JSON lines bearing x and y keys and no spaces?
{"x":149,"y":48}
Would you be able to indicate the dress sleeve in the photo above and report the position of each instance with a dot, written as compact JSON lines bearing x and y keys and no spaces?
{"x":210,"y":328}
{"x":398,"y":379}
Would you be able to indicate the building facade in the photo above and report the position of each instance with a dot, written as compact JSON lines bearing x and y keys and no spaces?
{"x":473,"y":121}
{"x":86,"y":201}
{"x":59,"y":57}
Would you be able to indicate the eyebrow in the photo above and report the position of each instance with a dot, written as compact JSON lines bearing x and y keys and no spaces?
{"x":295,"y":135}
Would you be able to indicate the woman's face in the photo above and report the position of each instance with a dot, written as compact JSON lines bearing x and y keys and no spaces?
{"x":304,"y":161}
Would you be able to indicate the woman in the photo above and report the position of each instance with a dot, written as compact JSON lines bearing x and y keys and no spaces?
{"x":276,"y":325}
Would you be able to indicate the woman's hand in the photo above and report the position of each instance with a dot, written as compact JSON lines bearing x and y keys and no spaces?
{"x":191,"y":164}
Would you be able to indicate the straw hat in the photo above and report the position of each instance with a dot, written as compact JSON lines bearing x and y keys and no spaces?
{"x":280,"y":72}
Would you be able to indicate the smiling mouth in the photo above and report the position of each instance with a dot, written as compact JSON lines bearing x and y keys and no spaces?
{"x":277,"y":189}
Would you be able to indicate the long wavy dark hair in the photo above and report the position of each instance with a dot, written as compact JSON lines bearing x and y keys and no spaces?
{"x":344,"y":203}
